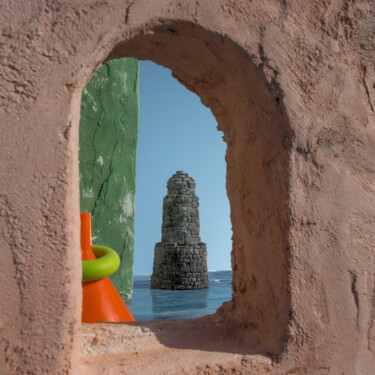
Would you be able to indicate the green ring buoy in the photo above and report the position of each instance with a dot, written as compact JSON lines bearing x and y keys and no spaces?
{"x":106,"y":264}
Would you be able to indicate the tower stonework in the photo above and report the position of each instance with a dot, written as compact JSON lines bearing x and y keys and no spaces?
{"x":180,"y":259}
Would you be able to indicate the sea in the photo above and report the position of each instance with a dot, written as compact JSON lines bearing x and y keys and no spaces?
{"x":149,"y":304}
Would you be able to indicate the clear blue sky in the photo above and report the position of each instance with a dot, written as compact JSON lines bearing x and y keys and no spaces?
{"x":176,"y":132}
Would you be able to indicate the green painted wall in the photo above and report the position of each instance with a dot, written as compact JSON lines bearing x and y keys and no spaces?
{"x":107,"y":158}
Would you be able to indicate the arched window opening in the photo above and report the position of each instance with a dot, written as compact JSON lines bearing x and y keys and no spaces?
{"x":251,"y":114}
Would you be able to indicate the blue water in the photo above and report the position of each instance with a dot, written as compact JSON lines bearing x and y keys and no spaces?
{"x":148,"y":304}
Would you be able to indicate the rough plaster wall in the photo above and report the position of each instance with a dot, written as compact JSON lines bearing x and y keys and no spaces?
{"x":292,"y":86}
{"x":107,"y":160}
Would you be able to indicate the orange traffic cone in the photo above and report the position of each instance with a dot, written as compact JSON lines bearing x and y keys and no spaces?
{"x":100,"y":302}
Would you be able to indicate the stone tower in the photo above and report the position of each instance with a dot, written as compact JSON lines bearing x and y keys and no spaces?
{"x":180,"y":260}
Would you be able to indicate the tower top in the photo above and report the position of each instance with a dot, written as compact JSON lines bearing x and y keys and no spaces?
{"x":181,"y":183}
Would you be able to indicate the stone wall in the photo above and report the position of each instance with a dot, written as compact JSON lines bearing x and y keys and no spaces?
{"x":180,"y":260}
{"x":108,"y":132}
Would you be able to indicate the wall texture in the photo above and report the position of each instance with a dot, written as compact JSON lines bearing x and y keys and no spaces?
{"x":291,"y":84}
{"x":108,"y":132}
